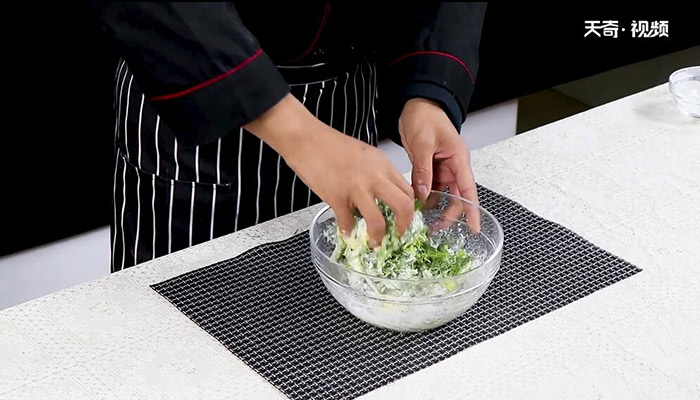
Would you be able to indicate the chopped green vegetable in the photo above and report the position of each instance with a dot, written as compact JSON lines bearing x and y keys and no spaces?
{"x":415,"y":255}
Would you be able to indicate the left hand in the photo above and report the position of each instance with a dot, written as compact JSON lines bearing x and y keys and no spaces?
{"x":439,"y":156}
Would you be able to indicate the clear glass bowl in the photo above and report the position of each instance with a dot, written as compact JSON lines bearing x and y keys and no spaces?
{"x":407,"y":304}
{"x":684,"y":85}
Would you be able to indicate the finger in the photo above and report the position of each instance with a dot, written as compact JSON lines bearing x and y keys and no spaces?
{"x":422,"y":173}
{"x":344,"y":217}
{"x":400,"y":203}
{"x":453,"y":211}
{"x":433,"y":200}
{"x":373,"y":217}
{"x":467,"y":188}
{"x":398,"y":179}
{"x":436,"y":194}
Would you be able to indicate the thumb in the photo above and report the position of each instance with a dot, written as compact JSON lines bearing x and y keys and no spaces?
{"x":422,"y":174}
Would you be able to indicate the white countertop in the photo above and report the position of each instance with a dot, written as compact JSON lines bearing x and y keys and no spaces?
{"x":625,"y":175}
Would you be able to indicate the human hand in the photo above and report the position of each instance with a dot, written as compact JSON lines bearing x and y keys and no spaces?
{"x":344,"y":172}
{"x":439,"y":156}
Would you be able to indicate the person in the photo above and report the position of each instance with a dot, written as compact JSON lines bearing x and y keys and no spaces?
{"x":231,"y":114}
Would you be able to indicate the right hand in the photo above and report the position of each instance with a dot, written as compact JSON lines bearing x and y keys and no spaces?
{"x":344,"y":172}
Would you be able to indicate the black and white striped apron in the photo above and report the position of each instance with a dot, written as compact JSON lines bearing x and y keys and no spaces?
{"x":168,"y":197}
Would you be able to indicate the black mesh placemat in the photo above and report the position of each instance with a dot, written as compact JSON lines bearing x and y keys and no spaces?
{"x":269,"y":307}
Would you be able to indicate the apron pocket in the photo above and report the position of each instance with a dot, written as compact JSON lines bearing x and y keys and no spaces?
{"x":154,"y":216}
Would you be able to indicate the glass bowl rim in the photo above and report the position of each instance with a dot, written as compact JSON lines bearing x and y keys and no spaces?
{"x":490,"y":258}
{"x":673,"y":82}
{"x":674,"y":74}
